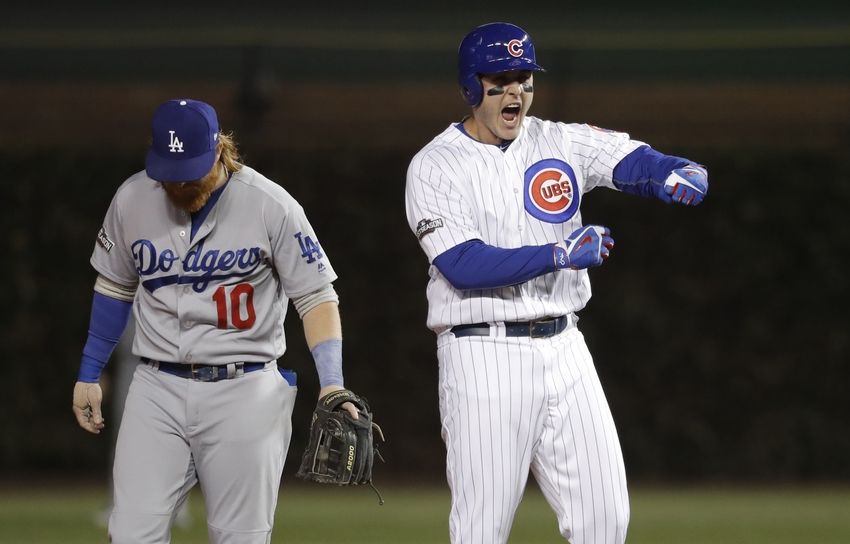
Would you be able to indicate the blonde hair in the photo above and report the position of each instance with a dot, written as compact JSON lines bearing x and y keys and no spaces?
{"x":229,"y":152}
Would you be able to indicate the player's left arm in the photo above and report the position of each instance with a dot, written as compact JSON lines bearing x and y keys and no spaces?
{"x":319,"y":313}
{"x":647,"y":172}
{"x":306,"y":276}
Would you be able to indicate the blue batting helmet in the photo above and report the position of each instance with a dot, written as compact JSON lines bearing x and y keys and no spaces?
{"x":490,"y":49}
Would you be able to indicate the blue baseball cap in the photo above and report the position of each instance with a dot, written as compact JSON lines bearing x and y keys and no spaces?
{"x":184,"y":138}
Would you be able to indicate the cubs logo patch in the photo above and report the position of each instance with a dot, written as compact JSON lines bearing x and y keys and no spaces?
{"x":427,"y":226}
{"x":551,"y":191}
{"x":104,"y":241}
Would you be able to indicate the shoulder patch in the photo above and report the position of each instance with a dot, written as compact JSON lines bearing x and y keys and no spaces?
{"x":310,"y":250}
{"x":427,"y":226}
{"x":104,"y":241}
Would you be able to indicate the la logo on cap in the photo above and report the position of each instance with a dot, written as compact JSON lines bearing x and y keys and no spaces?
{"x":176,"y":146}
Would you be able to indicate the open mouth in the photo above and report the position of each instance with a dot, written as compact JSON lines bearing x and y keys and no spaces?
{"x":511,"y":113}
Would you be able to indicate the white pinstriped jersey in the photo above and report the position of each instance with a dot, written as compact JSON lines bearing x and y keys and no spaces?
{"x":459,"y":189}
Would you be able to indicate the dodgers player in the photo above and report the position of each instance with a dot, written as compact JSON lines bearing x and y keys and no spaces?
{"x":495,"y":203}
{"x":206,"y":252}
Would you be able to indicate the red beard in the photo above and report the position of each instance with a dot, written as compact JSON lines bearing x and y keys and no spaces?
{"x":192,"y":195}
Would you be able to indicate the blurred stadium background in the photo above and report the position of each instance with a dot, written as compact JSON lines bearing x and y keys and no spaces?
{"x":332,"y":103}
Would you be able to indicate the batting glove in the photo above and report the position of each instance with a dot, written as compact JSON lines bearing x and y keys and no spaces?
{"x":586,"y":247}
{"x":687,"y":185}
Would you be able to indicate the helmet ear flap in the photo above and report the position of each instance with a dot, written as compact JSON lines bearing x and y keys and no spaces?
{"x":472,"y":90}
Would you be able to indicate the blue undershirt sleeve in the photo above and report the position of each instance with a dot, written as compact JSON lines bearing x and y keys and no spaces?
{"x":643,"y":171}
{"x":109,"y":318}
{"x":476,"y":265}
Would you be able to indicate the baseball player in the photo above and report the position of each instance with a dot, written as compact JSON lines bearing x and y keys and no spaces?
{"x":494,"y":201}
{"x":206,"y":252}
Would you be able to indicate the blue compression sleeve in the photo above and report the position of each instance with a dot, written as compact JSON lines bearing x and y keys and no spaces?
{"x":109,"y":318}
{"x":643,"y":171}
{"x":328,"y":358}
{"x":476,"y":265}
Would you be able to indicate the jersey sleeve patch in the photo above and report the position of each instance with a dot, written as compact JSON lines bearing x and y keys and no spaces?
{"x":104,"y":241}
{"x":427,"y":226}
{"x":310,"y":250}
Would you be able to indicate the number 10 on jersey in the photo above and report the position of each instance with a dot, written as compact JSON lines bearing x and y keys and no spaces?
{"x":235,"y":297}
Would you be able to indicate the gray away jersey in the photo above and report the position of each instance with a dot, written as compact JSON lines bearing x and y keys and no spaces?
{"x":459,"y":189}
{"x":221,"y":296}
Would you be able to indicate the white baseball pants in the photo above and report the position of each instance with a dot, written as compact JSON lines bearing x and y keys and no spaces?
{"x":512,"y":404}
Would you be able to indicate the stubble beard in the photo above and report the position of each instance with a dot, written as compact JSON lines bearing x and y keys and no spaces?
{"x":192,"y":195}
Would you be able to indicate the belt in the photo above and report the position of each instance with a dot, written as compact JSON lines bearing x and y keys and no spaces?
{"x":540,"y":328}
{"x":204,"y":373}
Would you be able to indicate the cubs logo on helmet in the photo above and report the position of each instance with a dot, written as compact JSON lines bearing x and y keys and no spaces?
{"x":551,"y":191}
{"x":515,"y":47}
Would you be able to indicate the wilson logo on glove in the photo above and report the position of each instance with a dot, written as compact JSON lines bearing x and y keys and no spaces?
{"x":350,"y":458}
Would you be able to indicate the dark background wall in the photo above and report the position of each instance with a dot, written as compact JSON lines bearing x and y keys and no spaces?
{"x":720,"y":333}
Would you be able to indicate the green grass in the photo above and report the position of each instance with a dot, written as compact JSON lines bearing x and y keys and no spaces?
{"x":314,"y":514}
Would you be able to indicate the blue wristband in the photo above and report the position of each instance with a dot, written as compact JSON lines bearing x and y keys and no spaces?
{"x":109,"y":317}
{"x":328,"y":358}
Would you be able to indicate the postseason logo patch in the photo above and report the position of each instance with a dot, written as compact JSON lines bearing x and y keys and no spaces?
{"x":427,"y":226}
{"x":104,"y":241}
{"x":551,"y":191}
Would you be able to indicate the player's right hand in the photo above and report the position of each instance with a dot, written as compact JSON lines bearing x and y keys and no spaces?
{"x":86,"y":406}
{"x":586,"y":247}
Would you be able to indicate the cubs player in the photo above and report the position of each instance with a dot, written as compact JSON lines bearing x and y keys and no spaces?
{"x":206,"y":252}
{"x":495,"y":203}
